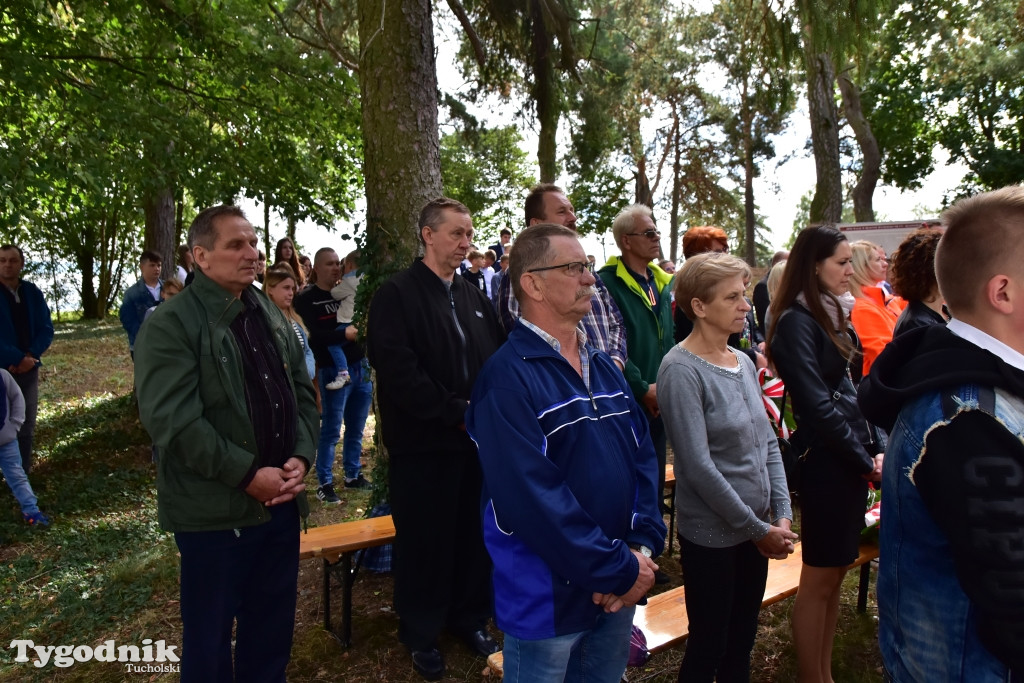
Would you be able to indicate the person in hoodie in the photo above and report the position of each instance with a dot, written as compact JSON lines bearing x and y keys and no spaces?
{"x":951,"y":573}
{"x":571,"y":510}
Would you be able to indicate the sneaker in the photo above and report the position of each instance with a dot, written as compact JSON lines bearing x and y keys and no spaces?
{"x":37,"y":519}
{"x":359,"y":482}
{"x":340,"y":381}
{"x":327,"y":495}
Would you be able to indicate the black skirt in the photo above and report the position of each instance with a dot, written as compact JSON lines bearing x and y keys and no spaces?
{"x":833,"y":499}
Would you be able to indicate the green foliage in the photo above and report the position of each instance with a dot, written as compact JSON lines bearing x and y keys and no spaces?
{"x":106,"y":105}
{"x":487,"y":170}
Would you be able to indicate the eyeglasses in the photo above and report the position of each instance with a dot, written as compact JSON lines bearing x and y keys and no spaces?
{"x":651,"y":234}
{"x":572,"y":269}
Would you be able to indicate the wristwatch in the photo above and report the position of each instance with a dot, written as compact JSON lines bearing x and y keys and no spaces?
{"x":642,"y":549}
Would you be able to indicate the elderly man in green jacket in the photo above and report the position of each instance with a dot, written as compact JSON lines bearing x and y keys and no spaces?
{"x":224,"y":393}
{"x":643,"y":294}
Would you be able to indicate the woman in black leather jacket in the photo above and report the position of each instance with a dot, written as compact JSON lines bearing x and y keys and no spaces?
{"x":913,"y":278}
{"x":816,"y":352}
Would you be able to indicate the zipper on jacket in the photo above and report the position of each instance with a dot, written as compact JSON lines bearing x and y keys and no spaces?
{"x":462,"y":336}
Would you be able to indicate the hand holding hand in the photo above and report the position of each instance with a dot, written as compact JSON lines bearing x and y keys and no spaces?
{"x":294,"y":471}
{"x":644,"y":580}
{"x":650,"y":400}
{"x":876,"y":473}
{"x":779,"y":542}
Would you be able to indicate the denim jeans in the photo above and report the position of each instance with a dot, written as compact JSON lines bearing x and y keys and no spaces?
{"x":10,"y":465}
{"x":598,"y":655}
{"x":351,"y":403}
{"x":29,"y":384}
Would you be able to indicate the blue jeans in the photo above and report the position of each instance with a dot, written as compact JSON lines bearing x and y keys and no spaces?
{"x":595,"y":656}
{"x":337,"y":352}
{"x":351,"y":403}
{"x":10,"y":465}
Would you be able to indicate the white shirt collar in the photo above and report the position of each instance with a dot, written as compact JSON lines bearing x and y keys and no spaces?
{"x":987,"y":342}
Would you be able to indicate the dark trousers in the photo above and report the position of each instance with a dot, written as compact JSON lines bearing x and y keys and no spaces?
{"x":659,"y":437}
{"x":28,"y":382}
{"x":442,"y":570}
{"x":247,"y":575}
{"x":724,"y":590}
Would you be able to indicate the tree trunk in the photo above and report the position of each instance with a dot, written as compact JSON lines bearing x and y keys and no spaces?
{"x":401,"y":148}
{"x":158,"y":206}
{"x":543,"y":92}
{"x":86,"y":264}
{"x":749,"y":232}
{"x":266,"y":231}
{"x":871,"y":164}
{"x":159,"y":210}
{"x":827,"y":204}
{"x":676,"y":189}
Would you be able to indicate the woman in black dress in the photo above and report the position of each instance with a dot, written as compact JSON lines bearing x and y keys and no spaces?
{"x":816,"y":352}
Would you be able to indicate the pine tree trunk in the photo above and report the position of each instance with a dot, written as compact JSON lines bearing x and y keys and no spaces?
{"x":871,"y":164}
{"x":827,"y":204}
{"x":401,"y":148}
{"x":749,"y":232}
{"x":543,"y":93}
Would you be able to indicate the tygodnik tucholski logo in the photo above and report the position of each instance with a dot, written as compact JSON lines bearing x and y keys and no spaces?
{"x":150,"y":657}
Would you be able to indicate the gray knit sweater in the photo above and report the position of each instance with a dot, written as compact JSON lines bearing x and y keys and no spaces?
{"x":730,"y":481}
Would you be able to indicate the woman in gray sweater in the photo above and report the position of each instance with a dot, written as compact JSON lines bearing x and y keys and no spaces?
{"x":732,"y":500}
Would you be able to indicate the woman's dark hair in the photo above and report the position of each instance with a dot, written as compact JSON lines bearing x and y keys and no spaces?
{"x":813,"y":245}
{"x":913,"y":265}
{"x":293,"y":262}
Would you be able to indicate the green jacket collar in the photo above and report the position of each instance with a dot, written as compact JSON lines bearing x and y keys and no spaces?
{"x":661,"y":278}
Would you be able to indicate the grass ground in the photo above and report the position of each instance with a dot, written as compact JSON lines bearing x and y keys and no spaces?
{"x":104,"y":570}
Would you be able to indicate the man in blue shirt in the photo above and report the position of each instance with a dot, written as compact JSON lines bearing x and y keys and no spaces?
{"x":141,"y":296}
{"x":25,"y":334}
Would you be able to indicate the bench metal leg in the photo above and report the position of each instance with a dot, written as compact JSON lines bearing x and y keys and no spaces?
{"x":671,"y":506}
{"x":347,"y":577}
{"x":862,"y":589}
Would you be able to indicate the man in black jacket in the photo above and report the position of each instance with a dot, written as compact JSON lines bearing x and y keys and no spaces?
{"x":428,"y":334}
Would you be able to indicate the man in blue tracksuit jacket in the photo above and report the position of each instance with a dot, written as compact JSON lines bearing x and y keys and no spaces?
{"x":571,"y":514}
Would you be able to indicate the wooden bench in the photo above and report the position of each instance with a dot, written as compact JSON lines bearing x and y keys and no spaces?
{"x":336,"y":544}
{"x":665,"y":623}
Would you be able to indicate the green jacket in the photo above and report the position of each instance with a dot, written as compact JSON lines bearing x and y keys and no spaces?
{"x":649,"y":336}
{"x":191,"y":395}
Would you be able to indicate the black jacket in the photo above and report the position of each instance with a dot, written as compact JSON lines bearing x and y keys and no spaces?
{"x":427,"y":346}
{"x":761,"y":303}
{"x":820,"y":382}
{"x":915,"y":315}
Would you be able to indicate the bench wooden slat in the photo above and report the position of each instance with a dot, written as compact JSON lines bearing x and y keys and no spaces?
{"x":330,"y":542}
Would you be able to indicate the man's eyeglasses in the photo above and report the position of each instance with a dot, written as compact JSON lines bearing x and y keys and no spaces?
{"x":572,"y":269}
{"x":651,"y":234}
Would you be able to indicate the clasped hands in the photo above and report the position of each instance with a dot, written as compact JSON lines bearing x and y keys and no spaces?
{"x":644,"y":580}
{"x":275,"y":485}
{"x":779,"y":542}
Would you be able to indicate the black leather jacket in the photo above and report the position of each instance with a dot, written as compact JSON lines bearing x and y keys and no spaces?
{"x":915,"y":315}
{"x":819,"y":381}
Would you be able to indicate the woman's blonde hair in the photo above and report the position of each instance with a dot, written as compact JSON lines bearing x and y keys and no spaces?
{"x":700,"y":276}
{"x":864,"y":254}
{"x":275,"y":276}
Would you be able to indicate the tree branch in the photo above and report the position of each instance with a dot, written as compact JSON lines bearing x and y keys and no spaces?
{"x":467,"y":26}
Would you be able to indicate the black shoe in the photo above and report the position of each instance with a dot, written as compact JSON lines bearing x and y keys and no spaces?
{"x":428,"y":663}
{"x":327,"y":495}
{"x":661,"y":578}
{"x":359,"y":482}
{"x":481,"y":642}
